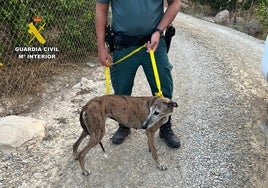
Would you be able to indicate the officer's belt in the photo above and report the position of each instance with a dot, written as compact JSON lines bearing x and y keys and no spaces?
{"x":126,"y":41}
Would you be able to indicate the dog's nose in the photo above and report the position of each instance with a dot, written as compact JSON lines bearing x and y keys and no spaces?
{"x":145,"y":124}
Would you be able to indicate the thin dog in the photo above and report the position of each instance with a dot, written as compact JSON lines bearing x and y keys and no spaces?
{"x":135,"y":112}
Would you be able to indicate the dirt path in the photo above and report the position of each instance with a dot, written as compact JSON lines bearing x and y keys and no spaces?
{"x":221,"y":122}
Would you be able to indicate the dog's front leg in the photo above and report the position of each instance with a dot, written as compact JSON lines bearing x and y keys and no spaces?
{"x":150,"y":136}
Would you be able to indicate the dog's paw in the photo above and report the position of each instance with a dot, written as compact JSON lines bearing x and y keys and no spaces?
{"x":85,"y":173}
{"x":162,"y":167}
{"x":75,"y":157}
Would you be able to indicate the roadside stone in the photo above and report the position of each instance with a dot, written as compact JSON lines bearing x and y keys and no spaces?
{"x":84,"y":84}
{"x":222,"y":17}
{"x":16,"y":130}
{"x":91,"y":65}
{"x":253,"y":27}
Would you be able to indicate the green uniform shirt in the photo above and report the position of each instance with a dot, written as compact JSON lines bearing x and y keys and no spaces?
{"x":135,"y":17}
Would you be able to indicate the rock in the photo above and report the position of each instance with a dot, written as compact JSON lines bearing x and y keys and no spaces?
{"x":16,"y":130}
{"x":84,"y":84}
{"x":222,"y":17}
{"x":253,"y":27}
{"x":91,"y":65}
{"x":77,"y":86}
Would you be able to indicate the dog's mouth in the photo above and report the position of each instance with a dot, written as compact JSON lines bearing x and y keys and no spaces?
{"x":145,"y":124}
{"x":148,"y":123}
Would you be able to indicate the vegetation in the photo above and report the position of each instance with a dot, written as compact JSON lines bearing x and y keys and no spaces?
{"x":257,"y":9}
{"x":69,"y":26}
{"x":262,"y":12}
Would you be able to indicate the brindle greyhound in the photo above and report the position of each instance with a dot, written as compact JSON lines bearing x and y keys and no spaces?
{"x":135,"y":112}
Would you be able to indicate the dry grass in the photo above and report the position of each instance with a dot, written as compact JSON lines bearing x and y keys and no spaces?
{"x":22,"y":85}
{"x":27,"y":78}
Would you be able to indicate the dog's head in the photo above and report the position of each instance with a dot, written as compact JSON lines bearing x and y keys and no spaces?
{"x":160,"y":110}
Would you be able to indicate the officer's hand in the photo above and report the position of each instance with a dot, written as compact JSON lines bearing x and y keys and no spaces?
{"x":104,"y":57}
{"x":153,"y":44}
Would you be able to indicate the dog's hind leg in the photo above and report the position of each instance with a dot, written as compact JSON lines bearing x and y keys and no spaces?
{"x":81,"y":156}
{"x":77,"y":143}
{"x":150,"y":135}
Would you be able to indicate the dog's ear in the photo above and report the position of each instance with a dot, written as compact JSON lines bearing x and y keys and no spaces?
{"x":172,"y":104}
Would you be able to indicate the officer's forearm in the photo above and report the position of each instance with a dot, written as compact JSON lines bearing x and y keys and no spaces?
{"x":101,"y":21}
{"x":170,"y":14}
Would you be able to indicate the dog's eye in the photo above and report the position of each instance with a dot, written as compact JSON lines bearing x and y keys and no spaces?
{"x":156,"y":113}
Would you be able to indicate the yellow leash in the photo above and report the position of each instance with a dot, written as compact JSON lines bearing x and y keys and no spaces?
{"x":130,"y":54}
{"x":107,"y":80}
{"x":156,"y":75}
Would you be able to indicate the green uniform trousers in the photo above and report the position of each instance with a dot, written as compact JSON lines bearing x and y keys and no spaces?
{"x":123,"y":73}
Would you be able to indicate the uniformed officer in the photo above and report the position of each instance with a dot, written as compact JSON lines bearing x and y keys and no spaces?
{"x":134,"y":23}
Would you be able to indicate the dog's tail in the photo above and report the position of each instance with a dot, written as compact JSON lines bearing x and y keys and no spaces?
{"x":83,"y":122}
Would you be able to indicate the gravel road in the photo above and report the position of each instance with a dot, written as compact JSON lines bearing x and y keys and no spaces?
{"x":221,"y":122}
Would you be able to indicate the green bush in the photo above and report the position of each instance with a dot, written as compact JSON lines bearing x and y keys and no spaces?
{"x":13,"y":18}
{"x":262,"y":12}
{"x":69,"y":24}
